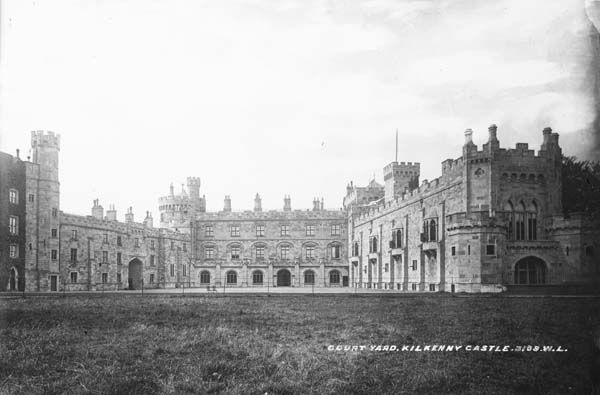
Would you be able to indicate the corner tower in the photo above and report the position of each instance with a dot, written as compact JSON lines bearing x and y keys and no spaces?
{"x":399,"y":177}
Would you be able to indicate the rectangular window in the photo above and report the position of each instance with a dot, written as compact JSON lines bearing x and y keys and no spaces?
{"x":453,"y":251}
{"x":387,"y":267}
{"x":151,"y":244}
{"x":13,"y":225}
{"x":432,"y":287}
{"x":54,"y":254}
{"x":172,"y":270}
{"x":469,"y":249}
{"x":208,"y":231}
{"x":490,"y":249}
{"x":209,"y":252}
{"x":104,"y":278}
{"x":136,"y":242}
{"x":104,"y":256}
{"x":73,"y":255}
{"x":335,"y":229}
{"x":54,"y":233}
{"x":152,"y":278}
{"x":13,"y":196}
{"x":184,"y":270}
{"x":119,"y":278}
{"x":235,"y":252}
{"x":172,"y":245}
{"x":74,"y":234}
{"x":151,"y":260}
{"x":260,"y":230}
{"x":285,"y":230}
{"x":73,"y":277}
{"x":373,"y":244}
{"x":119,"y":241}
{"x":13,"y":251}
{"x":336,"y":251}
{"x":396,"y":238}
{"x":235,"y":230}
{"x":105,"y":238}
{"x":119,"y":258}
{"x":310,"y":230}
{"x":54,"y":212}
{"x":285,"y":252}
{"x":184,"y":247}
{"x":310,"y":252}
{"x":31,"y":197}
{"x":414,"y":264}
{"x":414,"y":286}
{"x":260,"y":252}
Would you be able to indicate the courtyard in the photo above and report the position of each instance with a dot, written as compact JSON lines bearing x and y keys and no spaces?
{"x":294,"y":344}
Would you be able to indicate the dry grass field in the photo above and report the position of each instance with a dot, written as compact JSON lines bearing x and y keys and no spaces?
{"x":278,"y":344}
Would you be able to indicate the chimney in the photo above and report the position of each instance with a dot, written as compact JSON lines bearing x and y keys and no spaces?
{"x":315,"y":204}
{"x":111,"y":213}
{"x":18,"y":154}
{"x":547,"y":132}
{"x":227,"y":204}
{"x":322,"y":204}
{"x":257,"y":203}
{"x":97,"y":210}
{"x":129,"y":215}
{"x":492,"y":132}
{"x":171,"y":192}
{"x":148,"y":220}
{"x":287,"y":203}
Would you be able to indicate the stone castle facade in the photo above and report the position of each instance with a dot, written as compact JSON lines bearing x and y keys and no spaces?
{"x":492,"y":219}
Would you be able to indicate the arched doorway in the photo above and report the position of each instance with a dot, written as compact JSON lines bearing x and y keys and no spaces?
{"x":135,"y":274}
{"x":284,"y":278}
{"x":530,"y":271}
{"x":12,"y":281}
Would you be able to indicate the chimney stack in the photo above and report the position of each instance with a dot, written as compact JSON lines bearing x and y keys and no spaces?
{"x":287,"y":203}
{"x":129,"y":215}
{"x":257,"y":203}
{"x":111,"y":213}
{"x":468,"y":137}
{"x":97,"y":210}
{"x":227,"y":204}
{"x":148,"y":220}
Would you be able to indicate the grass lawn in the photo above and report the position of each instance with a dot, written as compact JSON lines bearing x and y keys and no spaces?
{"x":278,"y":344}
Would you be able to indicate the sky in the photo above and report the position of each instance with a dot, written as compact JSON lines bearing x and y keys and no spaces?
{"x":292,"y":97}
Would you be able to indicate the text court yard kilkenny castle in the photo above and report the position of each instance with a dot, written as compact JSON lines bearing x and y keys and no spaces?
{"x":493,"y":218}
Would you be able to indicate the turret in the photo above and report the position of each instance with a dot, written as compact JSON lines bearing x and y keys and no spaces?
{"x":400,"y":177}
{"x":44,"y":149}
{"x":257,"y":203}
{"x":129,"y":215}
{"x":227,"y":204}
{"x":193,"y":186}
{"x":97,"y":210}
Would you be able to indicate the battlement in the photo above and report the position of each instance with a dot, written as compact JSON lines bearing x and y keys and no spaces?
{"x":193,"y":181}
{"x":402,"y":169}
{"x":49,"y":139}
{"x":280,"y":215}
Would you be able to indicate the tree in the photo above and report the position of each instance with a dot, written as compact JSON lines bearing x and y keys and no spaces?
{"x":581,"y":186}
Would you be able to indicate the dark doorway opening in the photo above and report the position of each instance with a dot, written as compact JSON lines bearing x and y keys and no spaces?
{"x":135,"y":274}
{"x":284,"y":278}
{"x":530,"y":271}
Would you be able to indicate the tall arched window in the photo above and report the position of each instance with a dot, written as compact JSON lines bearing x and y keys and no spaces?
{"x":355,"y":249}
{"x":532,"y":211}
{"x":257,"y":277}
{"x":510,"y":216}
{"x":231,"y":277}
{"x":432,"y":230}
{"x":520,"y":221}
{"x":205,"y":277}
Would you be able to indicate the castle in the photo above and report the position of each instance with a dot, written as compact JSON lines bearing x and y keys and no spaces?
{"x":493,"y":218}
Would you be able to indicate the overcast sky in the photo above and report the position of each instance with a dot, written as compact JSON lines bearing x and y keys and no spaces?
{"x":281,"y":97}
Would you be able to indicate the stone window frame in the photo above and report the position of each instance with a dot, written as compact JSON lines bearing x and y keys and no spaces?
{"x":13,"y":251}
{"x":13,"y":225}
{"x":260,"y":230}
{"x":105,"y":278}
{"x":336,"y":229}
{"x":209,"y":231}
{"x":311,"y":229}
{"x":73,"y":277}
{"x":284,"y":229}
{"x":13,"y":196}
{"x":234,"y":230}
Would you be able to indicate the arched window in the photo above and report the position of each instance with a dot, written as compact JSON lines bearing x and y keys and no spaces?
{"x":510,"y":217}
{"x":355,"y":249}
{"x":520,"y":221}
{"x":231,"y":277}
{"x":432,"y":230}
{"x":373,"y":244}
{"x":257,"y":277}
{"x":530,"y":270}
{"x":334,"y":277}
{"x":205,"y":277}
{"x":309,"y":277}
{"x":532,"y":213}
